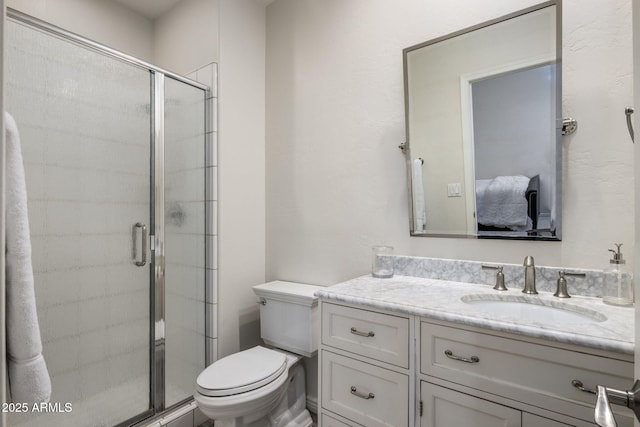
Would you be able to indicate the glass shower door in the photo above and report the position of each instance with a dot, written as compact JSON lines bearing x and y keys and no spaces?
{"x":184,"y":194}
{"x":84,"y":122}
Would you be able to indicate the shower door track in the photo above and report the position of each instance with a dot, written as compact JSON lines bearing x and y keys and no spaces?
{"x":157,"y":264}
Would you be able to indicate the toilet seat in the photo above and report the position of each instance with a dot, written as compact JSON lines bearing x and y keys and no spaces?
{"x":241,"y":372}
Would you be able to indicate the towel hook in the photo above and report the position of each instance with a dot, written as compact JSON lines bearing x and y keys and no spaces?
{"x":628,"y":112}
{"x":569,"y":126}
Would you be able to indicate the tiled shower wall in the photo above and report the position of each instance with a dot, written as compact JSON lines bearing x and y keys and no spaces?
{"x":208,"y":75}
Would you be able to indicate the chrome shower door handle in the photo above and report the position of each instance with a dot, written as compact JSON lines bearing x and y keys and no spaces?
{"x":145,"y":239}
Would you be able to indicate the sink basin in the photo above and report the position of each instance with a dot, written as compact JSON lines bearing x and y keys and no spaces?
{"x":528,"y":308}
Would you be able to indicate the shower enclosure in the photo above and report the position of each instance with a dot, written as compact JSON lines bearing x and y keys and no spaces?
{"x":114,"y":153}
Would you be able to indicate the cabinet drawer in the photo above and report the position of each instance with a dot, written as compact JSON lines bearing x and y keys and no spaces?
{"x":367,"y":394}
{"x":448,"y":408}
{"x":379,"y":336}
{"x":531,"y":373}
{"x":530,"y":420}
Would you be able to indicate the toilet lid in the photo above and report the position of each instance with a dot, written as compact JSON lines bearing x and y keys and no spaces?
{"x":241,"y":372}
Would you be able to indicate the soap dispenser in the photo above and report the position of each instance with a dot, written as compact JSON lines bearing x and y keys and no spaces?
{"x":618,"y":280}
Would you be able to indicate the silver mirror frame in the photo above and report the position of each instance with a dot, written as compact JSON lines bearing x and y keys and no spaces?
{"x":406,"y":146}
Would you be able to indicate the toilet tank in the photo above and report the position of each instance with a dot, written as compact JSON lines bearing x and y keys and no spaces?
{"x":289,"y":317}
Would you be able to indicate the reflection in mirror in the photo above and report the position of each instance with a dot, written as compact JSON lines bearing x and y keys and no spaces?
{"x":483,"y":148}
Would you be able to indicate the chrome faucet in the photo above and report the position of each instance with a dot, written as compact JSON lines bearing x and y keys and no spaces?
{"x":529,"y":276}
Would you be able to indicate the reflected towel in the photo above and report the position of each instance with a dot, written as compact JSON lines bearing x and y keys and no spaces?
{"x":29,"y":380}
{"x":503,"y":202}
{"x":417,"y":190}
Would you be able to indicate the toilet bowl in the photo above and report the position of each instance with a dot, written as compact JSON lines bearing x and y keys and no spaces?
{"x":250,"y":386}
{"x":265,"y":387}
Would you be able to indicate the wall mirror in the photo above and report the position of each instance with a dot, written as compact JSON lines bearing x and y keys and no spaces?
{"x":483,"y":129}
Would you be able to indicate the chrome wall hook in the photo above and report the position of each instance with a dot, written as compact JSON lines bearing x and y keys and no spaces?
{"x":569,"y":126}
{"x":628,"y":112}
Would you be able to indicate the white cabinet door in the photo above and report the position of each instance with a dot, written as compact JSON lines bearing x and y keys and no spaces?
{"x":327,"y":421}
{"x":530,"y":420}
{"x":446,"y":408}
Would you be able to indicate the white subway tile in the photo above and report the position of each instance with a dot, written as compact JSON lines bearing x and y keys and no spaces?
{"x":212,"y":252}
{"x":213,"y":117}
{"x":63,"y":354}
{"x":93,"y":347}
{"x":59,"y":321}
{"x":212,"y":320}
{"x":36,"y":182}
{"x":92,"y":381}
{"x":92,"y":281}
{"x":37,"y":215}
{"x":56,"y":287}
{"x":212,"y":349}
{"x":210,"y":149}
{"x":61,"y":183}
{"x":211,"y":217}
{"x":212,"y":181}
{"x":64,"y":387}
{"x":212,"y":286}
{"x":93,"y":315}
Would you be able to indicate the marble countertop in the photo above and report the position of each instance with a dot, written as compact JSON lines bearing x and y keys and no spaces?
{"x":441,"y":300}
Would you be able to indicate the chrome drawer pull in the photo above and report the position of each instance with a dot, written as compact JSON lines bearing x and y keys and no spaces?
{"x":472,"y":359}
{"x":362,"y":334}
{"x":355,"y":392}
{"x":578,"y":384}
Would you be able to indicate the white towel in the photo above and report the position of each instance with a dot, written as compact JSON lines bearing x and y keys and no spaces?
{"x":29,"y":380}
{"x":417,"y":188}
{"x":503,"y":202}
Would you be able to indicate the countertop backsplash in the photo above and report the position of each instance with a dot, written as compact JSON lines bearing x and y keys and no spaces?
{"x":472,"y":272}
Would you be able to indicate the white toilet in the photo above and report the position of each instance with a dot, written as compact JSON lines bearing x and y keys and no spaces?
{"x":265,"y":387}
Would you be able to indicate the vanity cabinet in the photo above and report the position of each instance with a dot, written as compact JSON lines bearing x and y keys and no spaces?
{"x":463,"y":363}
{"x":365,"y":368}
{"x":380,"y":368}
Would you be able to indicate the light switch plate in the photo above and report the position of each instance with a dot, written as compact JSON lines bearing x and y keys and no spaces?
{"x":454,"y":190}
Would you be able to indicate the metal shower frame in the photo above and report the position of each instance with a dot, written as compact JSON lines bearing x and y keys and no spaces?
{"x":157,"y":277}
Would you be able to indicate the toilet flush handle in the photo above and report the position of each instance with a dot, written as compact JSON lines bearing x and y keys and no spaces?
{"x":262,"y":301}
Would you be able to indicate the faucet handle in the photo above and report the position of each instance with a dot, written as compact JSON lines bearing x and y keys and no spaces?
{"x":561,"y":290}
{"x":499,"y":276}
